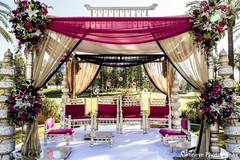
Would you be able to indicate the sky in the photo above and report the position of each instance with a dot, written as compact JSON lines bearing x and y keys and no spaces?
{"x":76,"y":8}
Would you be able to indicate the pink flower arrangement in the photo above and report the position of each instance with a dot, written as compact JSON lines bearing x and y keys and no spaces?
{"x":29,"y":21}
{"x":24,"y":105}
{"x":209,"y":23}
{"x":217,"y":103}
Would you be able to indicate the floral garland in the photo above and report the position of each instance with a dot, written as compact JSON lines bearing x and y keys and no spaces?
{"x":217,"y":103}
{"x":24,"y":105}
{"x":209,"y":22}
{"x":29,"y":22}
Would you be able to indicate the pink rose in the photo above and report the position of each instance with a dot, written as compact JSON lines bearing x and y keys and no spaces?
{"x":199,"y":37}
{"x":217,"y":88}
{"x":23,"y":87}
{"x":11,"y":108}
{"x":28,"y":25}
{"x":223,"y":7}
{"x":206,"y":109}
{"x":14,"y":12}
{"x":203,"y":3}
{"x":220,"y":28}
{"x":45,"y":11}
{"x":206,"y":8}
{"x":24,"y":117}
{"x":195,"y":12}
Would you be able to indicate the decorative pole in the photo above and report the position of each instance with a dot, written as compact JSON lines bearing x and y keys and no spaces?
{"x":65,"y":96}
{"x":232,"y":126}
{"x":175,"y":104}
{"x":7,"y":142}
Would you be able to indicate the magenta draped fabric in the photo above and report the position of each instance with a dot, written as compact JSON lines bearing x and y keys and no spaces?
{"x":120,"y":30}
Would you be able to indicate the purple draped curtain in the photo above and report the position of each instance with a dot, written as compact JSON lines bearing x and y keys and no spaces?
{"x":120,"y":30}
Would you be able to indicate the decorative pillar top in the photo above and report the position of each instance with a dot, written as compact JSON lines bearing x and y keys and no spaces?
{"x":120,"y":11}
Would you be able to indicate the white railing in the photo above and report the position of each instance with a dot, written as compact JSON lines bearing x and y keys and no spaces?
{"x":120,"y":11}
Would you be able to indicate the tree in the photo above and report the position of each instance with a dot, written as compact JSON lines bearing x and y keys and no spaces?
{"x":4,"y":19}
{"x":233,"y":10}
{"x":20,"y":69}
{"x":58,"y":78}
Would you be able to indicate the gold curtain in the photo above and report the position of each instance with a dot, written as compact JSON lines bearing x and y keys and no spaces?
{"x":161,"y":76}
{"x":193,"y":67}
{"x":80,"y":75}
{"x":51,"y":53}
{"x":52,"y":50}
{"x":190,"y":63}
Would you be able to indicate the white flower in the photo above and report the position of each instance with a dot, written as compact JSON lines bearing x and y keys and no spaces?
{"x":31,"y":12}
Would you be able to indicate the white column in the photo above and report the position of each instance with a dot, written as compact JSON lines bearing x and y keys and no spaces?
{"x":175,"y":105}
{"x":29,"y":61}
{"x":7,"y":143}
{"x":232,"y":127}
{"x":65,"y":96}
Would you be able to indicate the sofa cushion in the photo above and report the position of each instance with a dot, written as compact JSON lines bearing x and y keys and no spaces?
{"x":159,"y":110}
{"x":169,"y":132}
{"x":62,"y":131}
{"x":158,"y":116}
{"x":107,"y":109}
{"x":75,"y":110}
{"x":131,"y":110}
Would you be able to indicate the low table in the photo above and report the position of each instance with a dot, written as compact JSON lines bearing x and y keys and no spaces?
{"x":56,"y":153}
{"x":185,"y":145}
{"x":103,"y":136}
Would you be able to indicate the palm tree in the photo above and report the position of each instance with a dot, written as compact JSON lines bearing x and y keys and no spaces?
{"x":233,"y":11}
{"x":4,"y":19}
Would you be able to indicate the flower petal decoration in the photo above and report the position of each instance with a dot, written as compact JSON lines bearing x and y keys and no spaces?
{"x":24,"y":105}
{"x":209,"y":23}
{"x":29,"y":21}
{"x":217,"y":103}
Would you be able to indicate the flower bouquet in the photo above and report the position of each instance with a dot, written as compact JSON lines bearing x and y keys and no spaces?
{"x":24,"y":105}
{"x":217,"y":103}
{"x":209,"y":22}
{"x":29,"y":22}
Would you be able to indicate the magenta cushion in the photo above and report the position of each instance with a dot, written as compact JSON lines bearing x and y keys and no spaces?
{"x":62,"y":131}
{"x":132,"y":116}
{"x":75,"y":110}
{"x":81,"y":117}
{"x":165,"y":132}
{"x":50,"y":123}
{"x":158,"y":116}
{"x":107,"y":109}
{"x":159,"y":110}
{"x":184,"y":123}
{"x":131,"y":110}
{"x":106,"y":116}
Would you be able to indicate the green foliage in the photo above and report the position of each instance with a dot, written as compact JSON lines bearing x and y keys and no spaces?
{"x":191,"y":112}
{"x":4,"y":11}
{"x":58,"y":78}
{"x":50,"y":108}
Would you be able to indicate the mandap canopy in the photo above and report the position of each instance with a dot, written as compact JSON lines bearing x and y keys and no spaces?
{"x":86,"y":43}
{"x":105,"y":41}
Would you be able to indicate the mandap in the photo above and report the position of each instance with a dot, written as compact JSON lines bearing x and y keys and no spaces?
{"x":85,"y":44}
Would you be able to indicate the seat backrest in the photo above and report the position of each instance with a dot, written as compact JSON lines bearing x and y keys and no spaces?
{"x":159,"y":110}
{"x":131,"y":110}
{"x":107,"y":109}
{"x":49,"y":124}
{"x":184,"y":124}
{"x":74,"y":109}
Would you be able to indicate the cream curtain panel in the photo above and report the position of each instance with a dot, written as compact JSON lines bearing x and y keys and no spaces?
{"x":51,"y":52}
{"x":161,"y":74}
{"x":183,"y":54}
{"x":80,"y":75}
{"x":193,"y":67}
